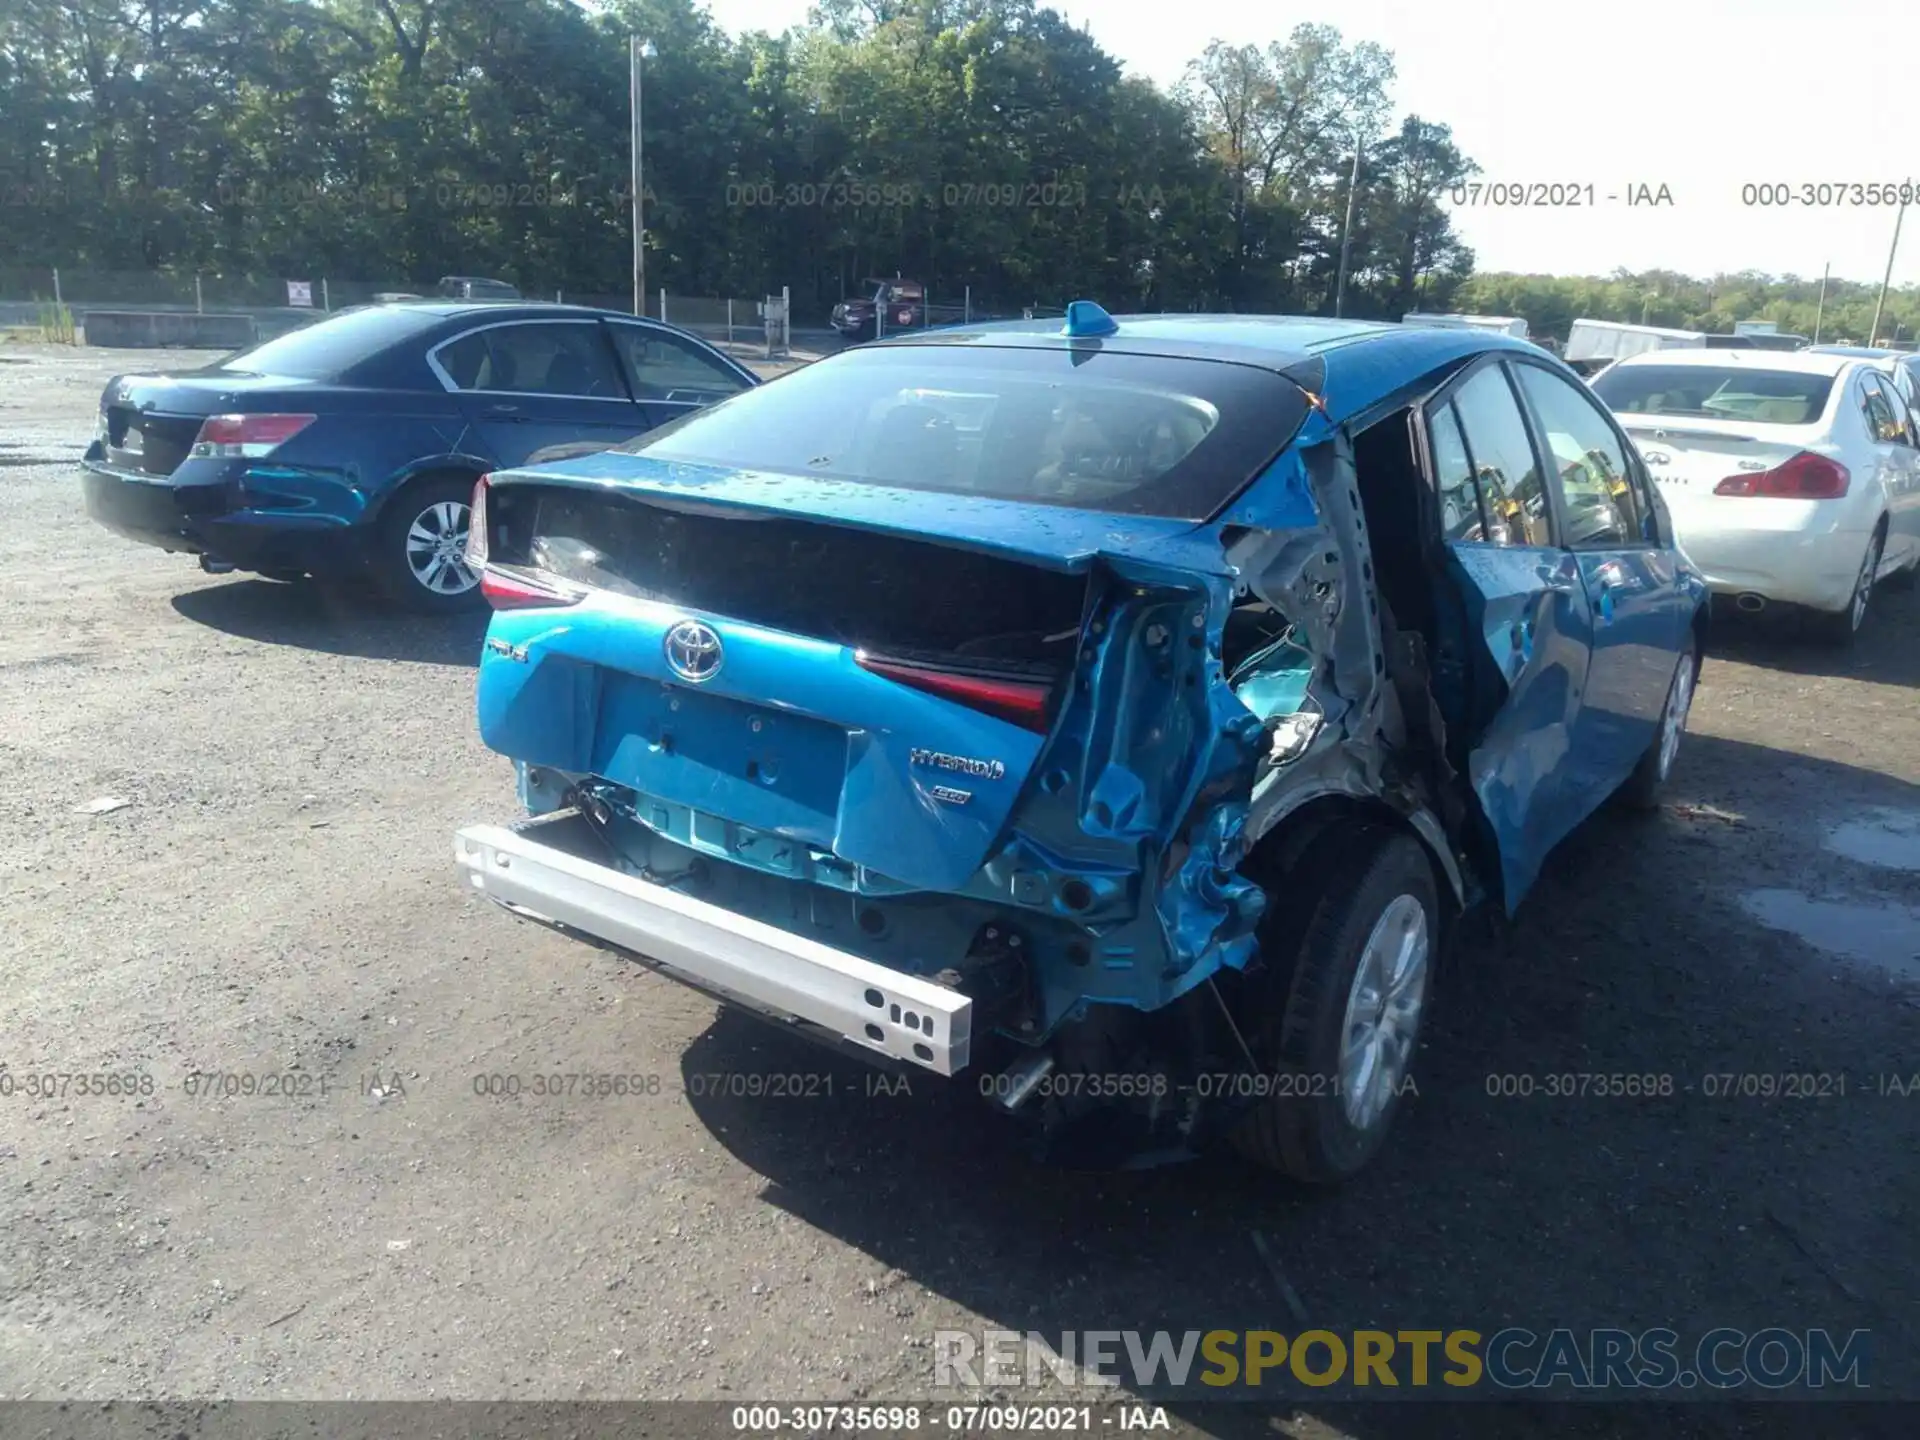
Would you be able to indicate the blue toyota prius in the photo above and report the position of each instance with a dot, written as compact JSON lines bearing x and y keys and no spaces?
{"x":349,"y":449}
{"x":1115,"y":715}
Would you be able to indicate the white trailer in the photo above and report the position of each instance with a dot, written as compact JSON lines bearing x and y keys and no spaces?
{"x":1611,"y":340}
{"x":1506,"y":324}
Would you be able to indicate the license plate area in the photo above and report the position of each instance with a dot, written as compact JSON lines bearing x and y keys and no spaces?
{"x":764,"y":767}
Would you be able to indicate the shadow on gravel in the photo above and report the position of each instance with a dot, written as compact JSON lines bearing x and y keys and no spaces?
{"x":308,"y":617}
{"x":1691,"y":1210}
{"x":1883,"y":653}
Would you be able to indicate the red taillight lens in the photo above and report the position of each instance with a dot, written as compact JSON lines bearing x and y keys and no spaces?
{"x":510,"y":590}
{"x":231,"y":437}
{"x":1805,"y":477}
{"x":477,"y":526}
{"x":1020,"y":702}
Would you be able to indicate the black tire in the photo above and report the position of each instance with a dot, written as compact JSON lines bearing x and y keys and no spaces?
{"x":1352,"y":878}
{"x":1644,"y":788}
{"x":1840,"y":629}
{"x":394,"y":537}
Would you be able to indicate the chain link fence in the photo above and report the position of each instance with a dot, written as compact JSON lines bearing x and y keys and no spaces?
{"x":29,"y":296}
{"x":275,"y":305}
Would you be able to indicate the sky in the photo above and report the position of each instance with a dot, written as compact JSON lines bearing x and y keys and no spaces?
{"x":1703,"y":97}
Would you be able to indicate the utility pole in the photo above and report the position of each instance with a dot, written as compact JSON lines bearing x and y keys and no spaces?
{"x":1346,"y":233}
{"x":1820,"y":311}
{"x":1886,"y":279}
{"x":637,"y":51}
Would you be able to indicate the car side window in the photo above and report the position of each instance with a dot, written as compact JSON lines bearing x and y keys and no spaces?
{"x":1601,"y":507}
{"x":1887,"y":415}
{"x":666,"y":367}
{"x":1505,"y":469}
{"x":1460,"y":517}
{"x":534,"y":359}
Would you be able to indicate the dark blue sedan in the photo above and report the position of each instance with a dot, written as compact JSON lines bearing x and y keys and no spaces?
{"x":348,"y":450}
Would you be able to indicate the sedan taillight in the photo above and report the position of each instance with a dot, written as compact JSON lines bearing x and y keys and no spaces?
{"x":245,"y":437}
{"x":1806,"y":476}
{"x":518,"y":590}
{"x":477,"y":526}
{"x":1019,"y":702}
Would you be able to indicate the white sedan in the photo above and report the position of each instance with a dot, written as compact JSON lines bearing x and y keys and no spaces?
{"x":1791,"y":477}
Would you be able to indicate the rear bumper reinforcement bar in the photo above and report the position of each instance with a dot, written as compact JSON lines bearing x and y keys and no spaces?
{"x":765,"y":967}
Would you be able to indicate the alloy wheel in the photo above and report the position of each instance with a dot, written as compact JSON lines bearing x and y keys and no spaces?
{"x":437,"y":549}
{"x":1863,"y":588}
{"x":1382,"y":1018}
{"x":1673,"y":723}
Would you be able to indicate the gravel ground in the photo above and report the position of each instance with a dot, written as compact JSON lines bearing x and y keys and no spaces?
{"x":278,"y":896}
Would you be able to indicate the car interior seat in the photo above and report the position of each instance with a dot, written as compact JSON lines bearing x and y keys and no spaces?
{"x":498,"y":372}
{"x":567,"y":374}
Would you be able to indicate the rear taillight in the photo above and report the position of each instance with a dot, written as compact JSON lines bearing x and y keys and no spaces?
{"x":510,"y":588}
{"x":477,"y":526}
{"x":1805,"y":477}
{"x":1020,"y":702}
{"x":245,"y":437}
{"x":513,"y":590}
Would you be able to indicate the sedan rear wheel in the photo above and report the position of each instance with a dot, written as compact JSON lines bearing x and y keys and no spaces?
{"x":421,"y":547}
{"x":1648,"y":781}
{"x":1840,"y":627}
{"x":1353,"y":988}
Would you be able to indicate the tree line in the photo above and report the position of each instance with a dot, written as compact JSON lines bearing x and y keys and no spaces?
{"x":985,"y":143}
{"x":980,"y":142}
{"x":1551,"y":303}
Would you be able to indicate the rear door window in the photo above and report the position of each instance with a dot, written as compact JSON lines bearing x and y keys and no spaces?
{"x":1460,"y":517}
{"x":1506,"y":471}
{"x":565,"y":358}
{"x":1885,"y":414}
{"x":1590,"y":464}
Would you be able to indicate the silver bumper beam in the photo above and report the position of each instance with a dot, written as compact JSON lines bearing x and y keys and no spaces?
{"x":757,"y":964}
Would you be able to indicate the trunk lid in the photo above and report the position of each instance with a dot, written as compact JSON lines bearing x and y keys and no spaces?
{"x":857,"y":628}
{"x":148,"y":422}
{"x":1687,"y":458}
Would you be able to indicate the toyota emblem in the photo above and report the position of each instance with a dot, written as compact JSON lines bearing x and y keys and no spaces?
{"x":693,"y":651}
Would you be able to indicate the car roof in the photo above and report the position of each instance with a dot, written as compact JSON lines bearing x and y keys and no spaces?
{"x":1810,"y":362}
{"x":509,"y":309}
{"x":1859,"y":352}
{"x":1351,"y":364}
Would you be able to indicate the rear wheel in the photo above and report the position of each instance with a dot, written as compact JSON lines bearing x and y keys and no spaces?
{"x":419,"y":547}
{"x":1648,"y":781}
{"x":1355,"y":992}
{"x":1840,"y":627}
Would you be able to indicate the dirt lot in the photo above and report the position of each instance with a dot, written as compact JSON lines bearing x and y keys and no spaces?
{"x":279,"y":896}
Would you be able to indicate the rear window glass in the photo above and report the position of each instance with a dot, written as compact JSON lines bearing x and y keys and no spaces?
{"x":327,"y":348}
{"x":1086,"y":429}
{"x":1710,"y":392}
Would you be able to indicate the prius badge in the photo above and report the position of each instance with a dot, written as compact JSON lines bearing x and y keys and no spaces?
{"x":693,"y":651}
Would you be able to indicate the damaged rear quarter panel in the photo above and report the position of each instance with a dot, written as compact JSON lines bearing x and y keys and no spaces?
{"x":1152,"y":693}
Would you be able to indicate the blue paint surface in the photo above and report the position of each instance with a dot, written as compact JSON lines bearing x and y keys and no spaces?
{"x":1113,"y":842}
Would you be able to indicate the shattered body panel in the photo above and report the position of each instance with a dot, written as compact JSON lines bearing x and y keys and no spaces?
{"x":1206,"y":683}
